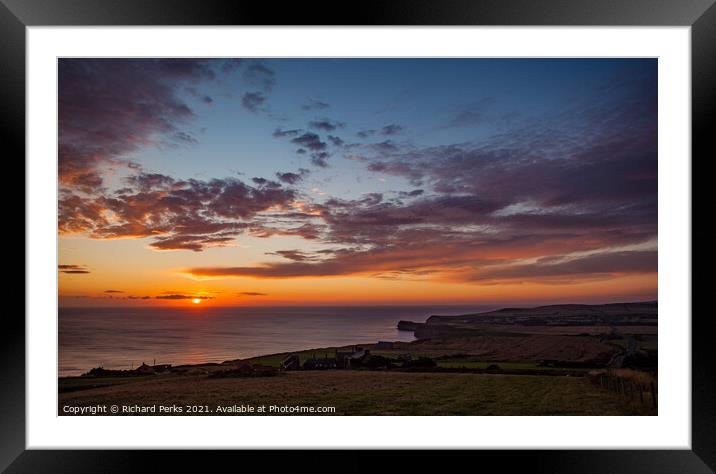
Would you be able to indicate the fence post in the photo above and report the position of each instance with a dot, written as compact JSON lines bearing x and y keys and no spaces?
{"x":653,"y":394}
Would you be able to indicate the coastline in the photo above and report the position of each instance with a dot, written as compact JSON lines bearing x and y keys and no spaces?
{"x":563,"y":359}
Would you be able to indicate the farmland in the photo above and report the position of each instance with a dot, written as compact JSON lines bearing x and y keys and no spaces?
{"x":371,"y":393}
{"x":546,"y":361}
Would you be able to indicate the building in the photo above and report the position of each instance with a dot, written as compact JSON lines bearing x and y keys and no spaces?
{"x":290,"y":362}
{"x":385,"y":345}
{"x":343,"y":360}
{"x":352,"y":359}
{"x":153,"y":369}
{"x":320,"y":364}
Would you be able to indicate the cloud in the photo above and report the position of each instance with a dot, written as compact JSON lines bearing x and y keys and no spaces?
{"x":410,"y":194}
{"x":310,"y":141}
{"x":388,"y":130}
{"x":196,"y":243}
{"x":251,"y":293}
{"x":295,"y":255}
{"x":392,"y":129}
{"x":278,"y":133}
{"x":567,"y":196}
{"x":326,"y":125}
{"x":475,"y":113}
{"x":182,"y":297}
{"x":320,"y":159}
{"x":451,"y":261}
{"x":177,"y":214}
{"x":108,"y":108}
{"x":259,"y":75}
{"x":315,"y":105}
{"x":73,"y":269}
{"x":567,"y":268}
{"x":252,"y":101}
{"x":292,"y":178}
{"x":336,"y":141}
{"x":406,"y":259}
{"x":365,"y":133}
{"x":113,"y":291}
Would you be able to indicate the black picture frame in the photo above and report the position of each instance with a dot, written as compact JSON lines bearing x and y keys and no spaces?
{"x":16,"y":15}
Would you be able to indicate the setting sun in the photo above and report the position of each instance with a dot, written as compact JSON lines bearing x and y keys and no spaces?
{"x":196,"y":300}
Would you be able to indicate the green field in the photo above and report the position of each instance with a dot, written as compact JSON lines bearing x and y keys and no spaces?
{"x":369,"y":393}
{"x":444,"y":361}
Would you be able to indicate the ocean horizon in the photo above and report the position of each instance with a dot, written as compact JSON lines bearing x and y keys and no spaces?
{"x":125,"y":337}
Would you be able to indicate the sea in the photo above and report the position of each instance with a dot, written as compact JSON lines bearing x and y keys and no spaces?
{"x":124,"y":338}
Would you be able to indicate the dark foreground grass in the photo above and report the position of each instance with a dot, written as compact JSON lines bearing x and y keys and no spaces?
{"x":370,"y":393}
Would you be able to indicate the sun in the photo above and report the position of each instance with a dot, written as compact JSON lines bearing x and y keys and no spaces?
{"x":196,"y":300}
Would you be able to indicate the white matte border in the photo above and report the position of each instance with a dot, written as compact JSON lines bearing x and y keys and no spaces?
{"x":670,"y":429}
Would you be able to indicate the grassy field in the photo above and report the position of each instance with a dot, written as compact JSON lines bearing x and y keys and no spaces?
{"x":444,"y":360}
{"x":367,"y":393}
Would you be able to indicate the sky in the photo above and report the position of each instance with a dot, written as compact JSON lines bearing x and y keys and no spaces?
{"x":233,"y":182}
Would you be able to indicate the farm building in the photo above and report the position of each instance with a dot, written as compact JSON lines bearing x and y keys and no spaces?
{"x":352,"y":359}
{"x":343,"y":360}
{"x":290,"y":362}
{"x":153,"y":369}
{"x":320,"y":364}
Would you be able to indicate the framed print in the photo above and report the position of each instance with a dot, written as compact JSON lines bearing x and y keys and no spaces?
{"x":462,"y":226}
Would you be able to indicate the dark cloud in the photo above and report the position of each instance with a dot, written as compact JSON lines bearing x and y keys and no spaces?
{"x":336,"y":141}
{"x":326,"y":125}
{"x":566,"y":268}
{"x":310,"y":141}
{"x":392,"y":129}
{"x":406,"y":259}
{"x":384,"y":147}
{"x":292,"y":178}
{"x":315,"y":105}
{"x":295,"y":255}
{"x":263,"y":182}
{"x":409,"y":194}
{"x":388,"y":130}
{"x":185,"y":137}
{"x":475,"y":113}
{"x":251,"y":293}
{"x":196,"y":243}
{"x":108,"y":108}
{"x":258,"y":75}
{"x":182,"y":297}
{"x":561,"y":197}
{"x":451,"y":260}
{"x":73,"y":269}
{"x":113,"y":291}
{"x":320,"y":159}
{"x":278,"y":133}
{"x":308,"y":231}
{"x":178,"y":215}
{"x":252,"y":101}
{"x":365,"y":133}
